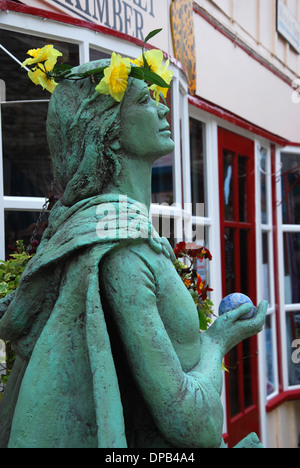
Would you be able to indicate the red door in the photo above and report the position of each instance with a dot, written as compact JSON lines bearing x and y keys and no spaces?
{"x":237,"y":208}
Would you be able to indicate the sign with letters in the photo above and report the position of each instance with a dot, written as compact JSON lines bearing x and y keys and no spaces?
{"x":133,"y":17}
{"x":288,"y":26}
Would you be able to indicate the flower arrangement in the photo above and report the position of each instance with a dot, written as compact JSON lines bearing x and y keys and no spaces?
{"x":112,"y":80}
{"x":196,"y":286}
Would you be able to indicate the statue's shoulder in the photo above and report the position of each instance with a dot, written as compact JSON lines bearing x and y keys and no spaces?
{"x":129,"y":257}
{"x":134,"y":261}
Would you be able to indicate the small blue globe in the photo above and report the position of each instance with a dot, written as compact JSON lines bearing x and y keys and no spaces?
{"x":232,"y":301}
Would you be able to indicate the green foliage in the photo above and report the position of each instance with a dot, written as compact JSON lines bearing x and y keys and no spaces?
{"x":10,"y":273}
{"x":12,"y":269}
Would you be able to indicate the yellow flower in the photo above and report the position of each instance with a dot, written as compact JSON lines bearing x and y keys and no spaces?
{"x":167,"y":76}
{"x":45,"y":59}
{"x":47,"y":54}
{"x":154,"y":59}
{"x":40,"y":78}
{"x":115,"y":79}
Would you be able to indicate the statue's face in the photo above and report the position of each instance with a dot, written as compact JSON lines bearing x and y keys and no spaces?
{"x":144,"y":127}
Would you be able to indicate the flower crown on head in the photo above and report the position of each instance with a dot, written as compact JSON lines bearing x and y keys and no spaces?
{"x":112,"y":80}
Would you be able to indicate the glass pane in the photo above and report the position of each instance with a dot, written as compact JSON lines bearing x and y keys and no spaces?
{"x":203,"y":266}
{"x":229,"y":260}
{"x":292,"y":267}
{"x":20,"y":225}
{"x":26,"y":158}
{"x":244,"y":262}
{"x":247,"y":373}
{"x":228,"y":185}
{"x":243,"y":190}
{"x":263,"y":185}
{"x":162,"y":180}
{"x":18,"y":85}
{"x":165,"y":226}
{"x":293,"y":347}
{"x":98,"y":55}
{"x":269,"y":355}
{"x":291,"y":188}
{"x":197,"y":163}
{"x":235,"y":404}
{"x":162,"y":171}
{"x":265,"y":267}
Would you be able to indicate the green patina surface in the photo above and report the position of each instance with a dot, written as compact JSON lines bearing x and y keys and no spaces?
{"x":106,"y":334}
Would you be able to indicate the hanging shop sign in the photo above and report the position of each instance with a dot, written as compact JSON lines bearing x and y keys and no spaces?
{"x":288,"y":26}
{"x":133,"y":17}
{"x":183,"y":34}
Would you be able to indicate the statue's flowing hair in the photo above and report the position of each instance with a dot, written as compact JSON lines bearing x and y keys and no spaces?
{"x":82,"y":126}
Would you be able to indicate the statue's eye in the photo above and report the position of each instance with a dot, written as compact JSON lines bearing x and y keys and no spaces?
{"x":145,"y":98}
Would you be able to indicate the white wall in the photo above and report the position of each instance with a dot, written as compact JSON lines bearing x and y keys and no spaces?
{"x":230,"y":78}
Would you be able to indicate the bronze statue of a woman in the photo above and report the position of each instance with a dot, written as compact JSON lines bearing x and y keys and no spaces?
{"x":106,"y":334}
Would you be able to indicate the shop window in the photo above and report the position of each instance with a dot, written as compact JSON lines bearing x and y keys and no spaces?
{"x":25,"y":165}
{"x":163,"y":170}
{"x":270,"y":355}
{"x":291,"y":242}
{"x":18,"y":87}
{"x":291,"y":188}
{"x":293,"y":340}
{"x":198,"y":179}
{"x":290,"y":211}
{"x":26,"y":159}
{"x":266,"y":277}
{"x":96,"y":54}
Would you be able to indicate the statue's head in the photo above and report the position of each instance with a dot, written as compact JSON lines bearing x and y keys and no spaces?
{"x":89,"y":133}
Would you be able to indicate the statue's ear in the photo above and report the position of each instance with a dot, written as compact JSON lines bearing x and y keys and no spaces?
{"x":115,"y":145}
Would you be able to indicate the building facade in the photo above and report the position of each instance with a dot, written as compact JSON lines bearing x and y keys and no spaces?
{"x":235,"y":119}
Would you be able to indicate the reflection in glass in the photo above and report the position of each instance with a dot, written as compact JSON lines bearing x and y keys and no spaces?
{"x":290,"y":188}
{"x":244,"y":262}
{"x":98,"y":55}
{"x":229,"y":260}
{"x":247,"y":373}
{"x":235,"y":404}
{"x":293,"y":340}
{"x":162,"y":180}
{"x":263,"y":185}
{"x":20,"y":225}
{"x":197,"y":163}
{"x":291,"y":242}
{"x":228,"y":185}
{"x":243,"y":189}
{"x":26,"y":158}
{"x":269,"y":356}
{"x":163,"y":170}
{"x":18,"y":85}
{"x":165,"y":227}
{"x":265,"y":267}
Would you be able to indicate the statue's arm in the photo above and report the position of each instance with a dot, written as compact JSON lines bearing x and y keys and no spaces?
{"x":185,"y":406}
{"x":5,"y":303}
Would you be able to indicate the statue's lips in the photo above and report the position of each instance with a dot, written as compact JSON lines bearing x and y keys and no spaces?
{"x":165,"y":129}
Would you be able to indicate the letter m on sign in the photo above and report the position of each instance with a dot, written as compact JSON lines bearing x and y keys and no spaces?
{"x":101,"y":7}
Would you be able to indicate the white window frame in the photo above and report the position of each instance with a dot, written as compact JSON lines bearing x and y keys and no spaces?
{"x":284,"y":308}
{"x":265,"y":228}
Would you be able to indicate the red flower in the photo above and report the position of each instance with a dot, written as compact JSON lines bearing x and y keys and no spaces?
{"x":180,"y":249}
{"x":202,"y":288}
{"x":191,"y":250}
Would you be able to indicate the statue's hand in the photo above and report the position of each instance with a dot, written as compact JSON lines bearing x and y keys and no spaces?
{"x":228,"y":330}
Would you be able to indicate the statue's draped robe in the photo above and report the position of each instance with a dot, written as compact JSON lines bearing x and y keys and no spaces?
{"x":64,"y":382}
